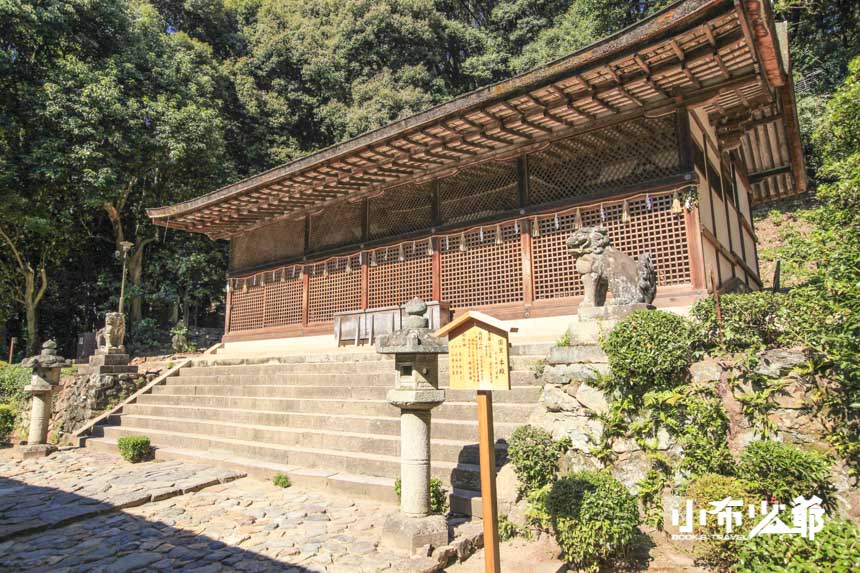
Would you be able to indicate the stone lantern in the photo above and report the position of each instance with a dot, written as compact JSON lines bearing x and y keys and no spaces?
{"x":46,"y":376}
{"x":416,"y":391}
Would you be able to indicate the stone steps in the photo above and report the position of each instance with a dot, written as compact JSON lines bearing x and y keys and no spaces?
{"x":448,"y":450}
{"x":514,"y":395}
{"x":457,"y":410}
{"x":386,"y":425}
{"x":458,"y":474}
{"x":322,"y":418}
{"x":518,"y":378}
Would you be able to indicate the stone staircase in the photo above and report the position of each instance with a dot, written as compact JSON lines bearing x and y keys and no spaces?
{"x":322,"y":419}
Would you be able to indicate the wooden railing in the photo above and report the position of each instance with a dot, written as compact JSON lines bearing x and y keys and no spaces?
{"x":519,"y":261}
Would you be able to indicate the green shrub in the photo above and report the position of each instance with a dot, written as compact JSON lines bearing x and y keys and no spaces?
{"x":752,"y":320}
{"x":12,"y":382}
{"x":775,"y":469}
{"x":7,"y":421}
{"x":507,"y":529}
{"x":438,"y":495}
{"x":534,"y":455}
{"x":703,"y":435}
{"x":135,"y":449}
{"x":650,"y":349}
{"x":835,"y":548}
{"x":717,"y":553}
{"x":593,"y":516}
{"x":282,"y":480}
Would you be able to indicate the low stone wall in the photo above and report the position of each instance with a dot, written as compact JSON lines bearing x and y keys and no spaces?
{"x":571,"y":406}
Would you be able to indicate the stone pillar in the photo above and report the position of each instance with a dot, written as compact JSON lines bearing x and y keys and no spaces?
{"x":416,"y":392}
{"x":46,"y":376}
{"x":415,"y":462}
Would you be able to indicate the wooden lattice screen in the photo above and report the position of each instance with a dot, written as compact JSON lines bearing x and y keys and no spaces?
{"x":283,"y":298}
{"x":602,"y":160}
{"x":652,"y":227}
{"x":488,"y":271}
{"x":478,"y":192}
{"x":401,"y":210}
{"x":339,"y":224}
{"x":247,"y":304}
{"x":397,"y":275}
{"x":278,"y":241}
{"x":335,"y":285}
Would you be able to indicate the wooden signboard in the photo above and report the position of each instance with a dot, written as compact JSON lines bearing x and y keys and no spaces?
{"x":478,"y":360}
{"x":477,"y":352}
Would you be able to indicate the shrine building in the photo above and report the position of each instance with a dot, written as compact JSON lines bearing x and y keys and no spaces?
{"x":666,"y":134}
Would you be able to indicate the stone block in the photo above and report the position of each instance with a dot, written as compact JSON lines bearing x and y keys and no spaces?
{"x":609,"y":311}
{"x":778,"y":362}
{"x":562,"y":374}
{"x":587,"y":353}
{"x":411,"y":533}
{"x":37,"y":451}
{"x":706,"y":371}
{"x":589,"y":331}
{"x":592,"y":398}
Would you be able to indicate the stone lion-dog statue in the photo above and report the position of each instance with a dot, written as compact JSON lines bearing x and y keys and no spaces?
{"x":605,"y":270}
{"x":113,"y":334}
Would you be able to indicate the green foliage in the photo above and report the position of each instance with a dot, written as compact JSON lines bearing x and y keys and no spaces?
{"x":135,"y":449}
{"x":438,"y":495}
{"x":783,"y":471}
{"x":717,"y":553}
{"x":534,"y":455}
{"x":758,"y":402}
{"x":834,"y":547}
{"x":826,"y":310}
{"x":507,"y":529}
{"x":750,"y":321}
{"x":649,"y":350}
{"x":537,"y":512}
{"x":593,"y":516}
{"x":7,"y":421}
{"x":12,"y":382}
{"x":563,"y":340}
{"x":703,"y":435}
{"x":281,"y":480}
{"x":145,"y":336}
{"x":650,"y":490}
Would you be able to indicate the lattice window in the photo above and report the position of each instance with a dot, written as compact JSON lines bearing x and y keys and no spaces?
{"x":398,"y":275}
{"x":623,"y":154}
{"x":486,"y":272}
{"x":339,"y":224}
{"x":478,"y":192}
{"x":283,"y":298}
{"x":401,"y":210}
{"x":278,"y":241}
{"x":334,"y":286}
{"x":656,"y":230}
{"x":246,"y":305}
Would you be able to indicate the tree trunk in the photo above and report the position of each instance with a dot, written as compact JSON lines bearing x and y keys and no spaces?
{"x":135,"y":276}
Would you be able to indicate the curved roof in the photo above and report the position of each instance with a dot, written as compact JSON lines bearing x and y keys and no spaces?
{"x":718,"y":53}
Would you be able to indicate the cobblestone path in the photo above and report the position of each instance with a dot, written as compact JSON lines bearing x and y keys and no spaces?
{"x":242,"y":525}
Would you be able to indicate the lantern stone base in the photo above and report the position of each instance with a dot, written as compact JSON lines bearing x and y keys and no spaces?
{"x":411,"y":533}
{"x":37,"y":451}
{"x":609,"y":311}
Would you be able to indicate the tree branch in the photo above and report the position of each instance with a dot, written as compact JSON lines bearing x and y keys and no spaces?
{"x":14,"y":249}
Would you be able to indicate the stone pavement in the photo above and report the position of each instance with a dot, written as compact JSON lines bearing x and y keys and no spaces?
{"x":242,"y":525}
{"x":73,"y":484}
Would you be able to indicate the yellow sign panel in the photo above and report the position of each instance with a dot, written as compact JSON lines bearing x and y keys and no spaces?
{"x":478,"y":358}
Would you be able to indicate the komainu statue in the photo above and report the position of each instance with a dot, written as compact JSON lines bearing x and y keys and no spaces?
{"x":605,"y":269}
{"x":111,"y":337}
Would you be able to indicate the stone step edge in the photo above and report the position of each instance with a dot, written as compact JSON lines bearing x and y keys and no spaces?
{"x":291,"y":429}
{"x":276,"y":412}
{"x":351,"y":400}
{"x":532,"y":388}
{"x":318,"y":451}
{"x":370,"y":487}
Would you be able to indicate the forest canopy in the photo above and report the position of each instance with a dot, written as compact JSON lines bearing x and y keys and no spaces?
{"x":113,"y":106}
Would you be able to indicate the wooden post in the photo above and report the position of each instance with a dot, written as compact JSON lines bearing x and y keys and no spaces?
{"x":717,"y":309}
{"x":11,"y":348}
{"x":487,"y":457}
